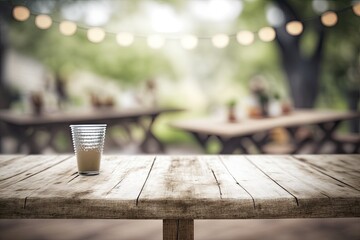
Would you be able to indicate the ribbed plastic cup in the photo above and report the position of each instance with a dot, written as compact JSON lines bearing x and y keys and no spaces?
{"x":88,"y":141}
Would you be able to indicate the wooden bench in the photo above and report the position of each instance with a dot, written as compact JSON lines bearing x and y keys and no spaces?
{"x":180,"y":189}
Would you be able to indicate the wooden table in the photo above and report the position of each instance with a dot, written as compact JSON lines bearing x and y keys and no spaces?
{"x":231,"y":135}
{"x":25,"y":127}
{"x":180,"y":189}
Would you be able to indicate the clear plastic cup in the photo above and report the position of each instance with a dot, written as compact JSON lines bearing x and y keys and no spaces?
{"x":88,"y":141}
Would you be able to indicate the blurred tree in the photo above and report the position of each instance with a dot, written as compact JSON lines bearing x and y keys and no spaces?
{"x":303,"y":70}
{"x":308,"y":60}
{"x":5,"y":94}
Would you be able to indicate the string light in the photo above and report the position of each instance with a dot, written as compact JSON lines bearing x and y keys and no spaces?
{"x":155,"y":41}
{"x":96,"y":35}
{"x":124,"y":39}
{"x":189,"y":42}
{"x":43,"y":21}
{"x":294,"y":28}
{"x":21,"y":13}
{"x":245,"y":37}
{"x":67,"y":28}
{"x":267,"y":34}
{"x":220,"y":40}
{"x":356,"y":9}
{"x":329,"y":19}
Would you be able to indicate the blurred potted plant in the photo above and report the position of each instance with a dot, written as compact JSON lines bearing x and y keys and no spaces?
{"x":231,"y":111}
{"x":259,"y":90}
{"x":37,"y":102}
{"x":275,"y":107}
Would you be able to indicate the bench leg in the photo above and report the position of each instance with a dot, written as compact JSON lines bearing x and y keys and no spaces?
{"x":178,"y":229}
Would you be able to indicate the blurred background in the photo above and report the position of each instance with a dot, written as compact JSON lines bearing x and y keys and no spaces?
{"x":200,"y":58}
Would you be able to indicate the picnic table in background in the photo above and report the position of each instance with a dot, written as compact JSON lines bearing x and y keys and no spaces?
{"x":25,"y":127}
{"x":179,"y":189}
{"x":231,"y":135}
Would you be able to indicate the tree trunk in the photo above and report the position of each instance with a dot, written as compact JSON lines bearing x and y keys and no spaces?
{"x":5,"y":94}
{"x":302,"y":72}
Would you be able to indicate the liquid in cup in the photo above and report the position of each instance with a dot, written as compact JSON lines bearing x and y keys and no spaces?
{"x":88,"y":143}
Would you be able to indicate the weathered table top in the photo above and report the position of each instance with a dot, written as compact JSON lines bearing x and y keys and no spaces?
{"x":181,"y":187}
{"x":250,"y":126}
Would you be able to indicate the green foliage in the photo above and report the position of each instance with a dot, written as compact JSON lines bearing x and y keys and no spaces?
{"x":64,"y":54}
{"x":130,"y":66}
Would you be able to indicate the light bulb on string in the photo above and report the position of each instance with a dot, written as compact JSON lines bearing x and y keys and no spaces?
{"x":220,"y":40}
{"x":356,"y":9}
{"x":124,"y":39}
{"x":155,"y":41}
{"x":189,"y":42}
{"x":43,"y":21}
{"x":96,"y":35}
{"x":294,"y":28}
{"x":67,"y":28}
{"x":267,"y":34}
{"x":245,"y":37}
{"x":329,"y":19}
{"x":21,"y":13}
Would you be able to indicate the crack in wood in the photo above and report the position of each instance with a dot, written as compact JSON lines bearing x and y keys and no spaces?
{"x":117,"y":184}
{"x":24,"y":206}
{"x":217,"y":183}
{"x":296,"y":199}
{"x":73,"y":178}
{"x":320,"y":170}
{"x":325,"y":195}
{"x":152,"y":165}
{"x":31,"y":175}
{"x":177,"y":229}
{"x":237,"y":183}
{"x":38,"y":165}
{"x":10,"y":160}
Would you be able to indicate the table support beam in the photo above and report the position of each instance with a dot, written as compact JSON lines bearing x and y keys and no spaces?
{"x":328,"y":130}
{"x":178,"y":229}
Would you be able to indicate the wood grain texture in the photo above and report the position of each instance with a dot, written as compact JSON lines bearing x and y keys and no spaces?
{"x":181,"y":187}
{"x":178,"y":229}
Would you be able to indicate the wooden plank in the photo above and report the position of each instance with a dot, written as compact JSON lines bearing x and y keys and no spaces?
{"x":347,"y":162}
{"x":20,"y":184}
{"x":23,"y":167}
{"x":192,"y":187}
{"x":340,"y":167}
{"x":311,"y":188}
{"x":58,"y":192}
{"x":179,"y":187}
{"x":269,"y":198}
{"x":6,"y":159}
{"x":178,"y":229}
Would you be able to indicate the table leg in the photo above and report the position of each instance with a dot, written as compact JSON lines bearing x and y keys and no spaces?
{"x":259,"y":143}
{"x":230,"y":145}
{"x":149,"y":136}
{"x":202,"y":139}
{"x":299,"y":144}
{"x":328,"y":130}
{"x":178,"y":229}
{"x":24,"y":138}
